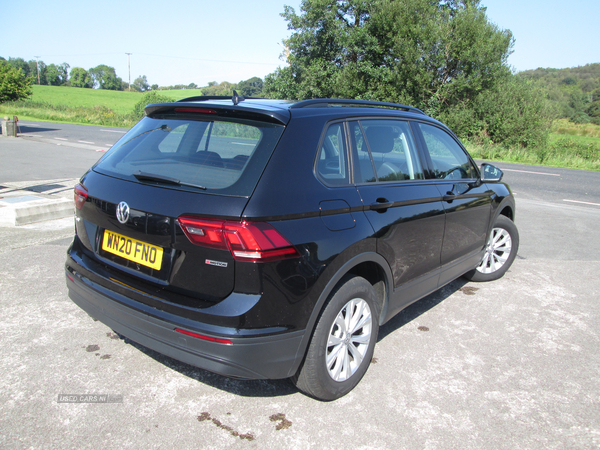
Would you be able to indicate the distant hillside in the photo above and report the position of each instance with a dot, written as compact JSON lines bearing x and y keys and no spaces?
{"x":575,"y":92}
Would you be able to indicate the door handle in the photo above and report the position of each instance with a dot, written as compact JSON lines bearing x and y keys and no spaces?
{"x":381,"y":203}
{"x":449,"y":197}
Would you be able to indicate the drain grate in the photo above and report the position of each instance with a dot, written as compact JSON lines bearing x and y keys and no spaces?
{"x":40,"y":188}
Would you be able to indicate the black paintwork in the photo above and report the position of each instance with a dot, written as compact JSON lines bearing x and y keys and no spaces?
{"x":407,"y":238}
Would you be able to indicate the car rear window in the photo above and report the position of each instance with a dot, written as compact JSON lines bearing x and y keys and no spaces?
{"x":215,"y":155}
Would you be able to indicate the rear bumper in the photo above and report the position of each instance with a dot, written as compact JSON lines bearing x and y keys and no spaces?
{"x":263,"y":357}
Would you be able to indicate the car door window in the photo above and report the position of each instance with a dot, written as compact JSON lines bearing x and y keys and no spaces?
{"x":386,"y":151}
{"x":449,"y":160}
{"x":332,"y":162}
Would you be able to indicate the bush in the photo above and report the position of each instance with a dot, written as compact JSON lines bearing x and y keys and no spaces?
{"x":149,"y":97}
{"x":13,"y":84}
{"x":513,"y":113}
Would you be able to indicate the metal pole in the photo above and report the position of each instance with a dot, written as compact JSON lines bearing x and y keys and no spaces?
{"x":129,"y":67}
{"x":37,"y":64}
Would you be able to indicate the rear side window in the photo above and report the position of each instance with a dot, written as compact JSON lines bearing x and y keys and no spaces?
{"x":225,"y":157}
{"x":386,"y":151}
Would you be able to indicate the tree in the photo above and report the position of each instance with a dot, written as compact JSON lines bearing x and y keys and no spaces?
{"x":570,"y":90}
{"x":441,"y":56}
{"x":57,"y":75}
{"x":251,"y":88}
{"x":19,"y":63}
{"x":13,"y":84}
{"x":80,"y":78}
{"x":421,"y":52}
{"x":140,"y":84}
{"x":515,"y":113}
{"x":104,"y":77}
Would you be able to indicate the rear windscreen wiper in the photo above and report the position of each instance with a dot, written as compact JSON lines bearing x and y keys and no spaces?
{"x":144,"y":176}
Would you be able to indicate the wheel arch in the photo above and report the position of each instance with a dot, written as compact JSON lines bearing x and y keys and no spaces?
{"x":371,"y":266}
{"x":508,"y":210}
{"x":504,"y":205}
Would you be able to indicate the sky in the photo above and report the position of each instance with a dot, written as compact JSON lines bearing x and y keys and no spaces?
{"x":198,"y":41}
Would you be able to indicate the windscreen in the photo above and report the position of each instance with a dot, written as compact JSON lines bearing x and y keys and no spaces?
{"x":217,"y":156}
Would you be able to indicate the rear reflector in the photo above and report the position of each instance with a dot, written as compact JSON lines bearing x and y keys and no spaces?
{"x":247,"y":241}
{"x":204,"y":338}
{"x":81,"y":195}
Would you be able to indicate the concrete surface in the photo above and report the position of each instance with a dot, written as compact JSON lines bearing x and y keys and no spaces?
{"x":512,"y":364}
{"x":23,"y":203}
{"x":30,"y":190}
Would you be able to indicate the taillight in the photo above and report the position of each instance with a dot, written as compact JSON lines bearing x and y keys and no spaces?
{"x":247,"y":241}
{"x":81,"y":195}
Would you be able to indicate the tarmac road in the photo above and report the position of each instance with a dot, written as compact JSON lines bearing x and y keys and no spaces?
{"x":102,"y":137}
{"x":509,"y":364}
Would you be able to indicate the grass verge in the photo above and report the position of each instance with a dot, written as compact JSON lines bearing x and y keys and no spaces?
{"x":46,"y":112}
{"x":564,"y":151}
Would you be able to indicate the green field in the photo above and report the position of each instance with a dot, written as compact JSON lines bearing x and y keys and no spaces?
{"x":121,"y":102}
{"x":86,"y":106}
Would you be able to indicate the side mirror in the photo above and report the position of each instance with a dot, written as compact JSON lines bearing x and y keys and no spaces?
{"x":490,"y":173}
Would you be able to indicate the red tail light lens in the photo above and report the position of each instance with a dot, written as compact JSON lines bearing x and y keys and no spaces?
{"x":207,"y":233}
{"x":247,"y":241}
{"x":81,"y":195}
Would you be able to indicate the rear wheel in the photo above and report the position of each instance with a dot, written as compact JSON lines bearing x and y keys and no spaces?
{"x":501,"y":250}
{"x":343,"y":341}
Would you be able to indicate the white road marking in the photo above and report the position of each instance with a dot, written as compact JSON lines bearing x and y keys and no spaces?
{"x":527,"y":171}
{"x":61,"y":139}
{"x":86,"y":142}
{"x":114,"y":131}
{"x":243,"y":143}
{"x":583,"y":203}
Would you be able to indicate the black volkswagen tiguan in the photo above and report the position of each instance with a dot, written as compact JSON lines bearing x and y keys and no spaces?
{"x":266,"y":239}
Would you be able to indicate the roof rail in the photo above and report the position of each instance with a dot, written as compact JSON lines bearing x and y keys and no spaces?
{"x":328,"y":102}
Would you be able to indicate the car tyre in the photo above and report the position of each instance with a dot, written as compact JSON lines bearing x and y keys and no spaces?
{"x":343,"y":341}
{"x":501,"y":250}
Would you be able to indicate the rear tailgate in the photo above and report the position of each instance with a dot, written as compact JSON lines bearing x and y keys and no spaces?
{"x":151,"y":245}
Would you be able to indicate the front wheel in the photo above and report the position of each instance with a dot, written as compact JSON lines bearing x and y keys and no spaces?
{"x":501,"y":251}
{"x":343,"y":342}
